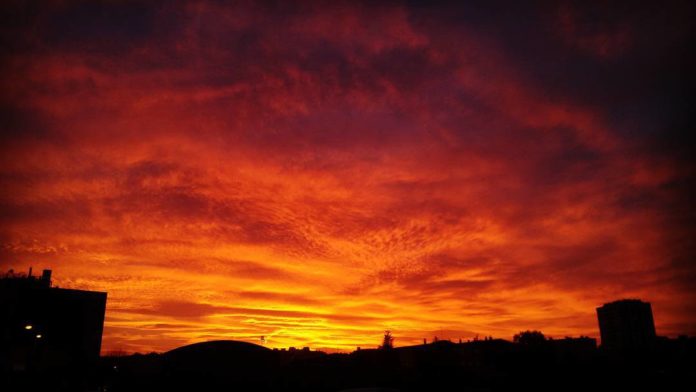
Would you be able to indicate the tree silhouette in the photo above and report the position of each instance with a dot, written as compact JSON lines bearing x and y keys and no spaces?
{"x":388,"y":341}
{"x":529,"y":338}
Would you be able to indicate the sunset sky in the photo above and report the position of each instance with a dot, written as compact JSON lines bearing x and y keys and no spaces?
{"x":319,"y":172}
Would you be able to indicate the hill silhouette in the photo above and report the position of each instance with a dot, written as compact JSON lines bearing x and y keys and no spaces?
{"x":218,"y":351}
{"x":229,"y":363}
{"x":217,"y":346}
{"x":220,"y":356}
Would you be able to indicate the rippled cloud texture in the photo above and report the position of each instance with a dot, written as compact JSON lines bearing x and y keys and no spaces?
{"x":316,"y":173}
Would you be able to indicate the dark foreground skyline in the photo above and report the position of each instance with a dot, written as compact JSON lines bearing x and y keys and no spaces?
{"x":530,"y":362}
{"x":50,"y":339}
{"x":316,"y":172}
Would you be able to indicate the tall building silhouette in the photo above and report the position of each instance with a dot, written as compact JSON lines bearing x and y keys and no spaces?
{"x":626,"y":325}
{"x":44,"y":327}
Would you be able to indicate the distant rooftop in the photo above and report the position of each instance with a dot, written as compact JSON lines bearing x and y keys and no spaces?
{"x":624,"y":301}
{"x":22,"y":280}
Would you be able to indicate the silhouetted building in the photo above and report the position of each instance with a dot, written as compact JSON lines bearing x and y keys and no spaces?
{"x":574,"y":349}
{"x":626,"y":325}
{"x":48,"y":328}
{"x":583,"y":343}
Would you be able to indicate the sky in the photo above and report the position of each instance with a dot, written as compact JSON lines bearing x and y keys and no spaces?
{"x":315,"y":173}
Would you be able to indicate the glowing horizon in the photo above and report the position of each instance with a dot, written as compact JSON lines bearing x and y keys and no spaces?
{"x":319,"y":174}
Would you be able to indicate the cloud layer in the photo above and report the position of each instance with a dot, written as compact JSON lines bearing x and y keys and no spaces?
{"x":315,"y":174}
